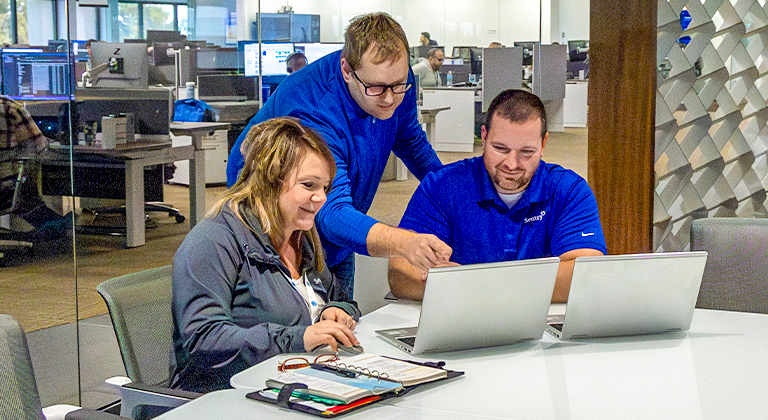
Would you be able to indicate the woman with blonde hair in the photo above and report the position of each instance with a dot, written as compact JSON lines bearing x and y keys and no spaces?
{"x":250,"y":281}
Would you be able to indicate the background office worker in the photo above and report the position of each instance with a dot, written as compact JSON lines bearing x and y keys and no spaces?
{"x":428,"y":70}
{"x":360,"y":102}
{"x":249,"y":281}
{"x":295,"y":62}
{"x":425,"y":39}
{"x":507,"y":204}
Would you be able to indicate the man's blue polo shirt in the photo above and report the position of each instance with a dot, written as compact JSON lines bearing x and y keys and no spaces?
{"x":318,"y":96}
{"x":557,"y":213}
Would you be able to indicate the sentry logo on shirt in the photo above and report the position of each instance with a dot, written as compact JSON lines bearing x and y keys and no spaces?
{"x":535,"y":218}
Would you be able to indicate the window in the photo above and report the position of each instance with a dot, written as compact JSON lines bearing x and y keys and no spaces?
{"x":5,"y":23}
{"x":128,"y":20}
{"x":157,"y":17}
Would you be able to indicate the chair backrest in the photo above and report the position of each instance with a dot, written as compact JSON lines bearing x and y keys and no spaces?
{"x":140,"y":307}
{"x":736,"y":274}
{"x":11,"y":174}
{"x":18,"y":390}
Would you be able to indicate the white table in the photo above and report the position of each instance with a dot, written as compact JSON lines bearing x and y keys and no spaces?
{"x":716,"y":370}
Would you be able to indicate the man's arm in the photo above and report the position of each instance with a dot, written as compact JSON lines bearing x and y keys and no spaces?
{"x":407,"y":282}
{"x":565,"y":272}
{"x":422,"y":251}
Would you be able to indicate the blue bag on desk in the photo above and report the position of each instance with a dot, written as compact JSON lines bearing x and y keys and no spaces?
{"x":192,"y":110}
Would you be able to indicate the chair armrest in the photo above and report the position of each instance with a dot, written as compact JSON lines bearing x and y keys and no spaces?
{"x":88,"y":414}
{"x":189,"y":395}
{"x":134,"y":395}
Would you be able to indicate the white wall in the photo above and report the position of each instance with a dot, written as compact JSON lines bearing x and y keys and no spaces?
{"x":574,"y":20}
{"x":450,"y":22}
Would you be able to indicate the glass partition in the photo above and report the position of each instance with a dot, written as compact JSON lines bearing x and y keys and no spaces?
{"x":80,"y":183}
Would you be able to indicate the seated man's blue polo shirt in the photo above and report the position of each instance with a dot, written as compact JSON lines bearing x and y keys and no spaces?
{"x":557,"y":213}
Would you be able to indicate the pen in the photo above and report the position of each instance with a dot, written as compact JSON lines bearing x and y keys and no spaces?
{"x":314,"y":398}
{"x":340,"y":372}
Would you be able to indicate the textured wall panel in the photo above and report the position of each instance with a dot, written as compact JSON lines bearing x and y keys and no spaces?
{"x":711,"y":115}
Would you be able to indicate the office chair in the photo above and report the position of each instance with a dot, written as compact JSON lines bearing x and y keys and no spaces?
{"x":736,"y":274}
{"x":10,"y":187}
{"x":139,"y":305}
{"x":19,"y":398}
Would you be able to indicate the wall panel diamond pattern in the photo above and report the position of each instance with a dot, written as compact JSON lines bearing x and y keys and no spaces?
{"x":711,"y":115}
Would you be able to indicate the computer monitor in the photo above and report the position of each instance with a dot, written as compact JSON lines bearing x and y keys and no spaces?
{"x":126,"y":65}
{"x":274,"y":55}
{"x":38,"y":76}
{"x":80,"y":51}
{"x":21,"y":50}
{"x":57,"y":45}
{"x":160,"y":52}
{"x":527,"y":51}
{"x":421,"y":50}
{"x":226,"y":87}
{"x":210,"y":60}
{"x":578,"y":50}
{"x":316,"y":50}
{"x":164,"y":36}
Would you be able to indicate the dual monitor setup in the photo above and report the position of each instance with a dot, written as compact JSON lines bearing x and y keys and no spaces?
{"x":41,"y":73}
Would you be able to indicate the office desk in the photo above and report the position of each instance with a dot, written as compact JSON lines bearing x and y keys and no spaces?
{"x":427,"y":117}
{"x":135,"y":157}
{"x":454,"y":127}
{"x":215,"y":154}
{"x":716,"y":370}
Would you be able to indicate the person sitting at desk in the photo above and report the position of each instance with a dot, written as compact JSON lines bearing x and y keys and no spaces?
{"x":507,"y":204}
{"x":250,"y":280}
{"x":425,"y":39}
{"x":428,"y":70}
{"x":295,"y":62}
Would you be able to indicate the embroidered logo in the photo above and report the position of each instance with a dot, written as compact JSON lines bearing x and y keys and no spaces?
{"x":587,"y":234}
{"x":535,"y":218}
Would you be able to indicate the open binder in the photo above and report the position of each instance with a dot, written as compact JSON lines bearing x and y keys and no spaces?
{"x":334,"y":388}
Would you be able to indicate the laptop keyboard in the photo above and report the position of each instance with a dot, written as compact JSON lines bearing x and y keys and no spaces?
{"x":557,"y":325}
{"x":407,"y":340}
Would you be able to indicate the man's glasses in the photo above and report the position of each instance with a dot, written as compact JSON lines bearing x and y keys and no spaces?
{"x":378,"y":90}
{"x":300,"y":362}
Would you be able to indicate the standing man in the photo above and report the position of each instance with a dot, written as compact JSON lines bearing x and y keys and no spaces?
{"x":425,"y":39}
{"x":428,"y":70}
{"x":361,"y":103}
{"x":505,"y":205}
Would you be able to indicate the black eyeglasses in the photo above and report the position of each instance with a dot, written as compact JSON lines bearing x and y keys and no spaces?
{"x":378,"y":90}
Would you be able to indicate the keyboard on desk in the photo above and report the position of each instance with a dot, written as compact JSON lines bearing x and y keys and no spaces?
{"x":407,"y":340}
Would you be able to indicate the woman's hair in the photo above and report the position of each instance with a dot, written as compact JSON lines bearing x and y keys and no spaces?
{"x":272,"y":152}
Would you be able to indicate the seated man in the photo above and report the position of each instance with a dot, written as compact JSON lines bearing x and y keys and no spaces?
{"x":295,"y":62}
{"x":507,"y":204}
{"x":428,"y":70}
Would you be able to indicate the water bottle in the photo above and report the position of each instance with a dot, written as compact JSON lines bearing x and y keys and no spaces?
{"x":449,"y":78}
{"x":190,"y":90}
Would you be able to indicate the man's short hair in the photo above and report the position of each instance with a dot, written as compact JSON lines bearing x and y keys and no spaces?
{"x":426,"y":35}
{"x":517,"y":106}
{"x":378,"y":29}
{"x":432,"y":51}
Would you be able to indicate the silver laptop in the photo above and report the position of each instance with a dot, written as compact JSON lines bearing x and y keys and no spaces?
{"x":480,"y":305}
{"x":616,"y":295}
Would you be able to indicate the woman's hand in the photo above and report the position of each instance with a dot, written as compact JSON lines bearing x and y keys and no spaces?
{"x":337,"y":314}
{"x":328,"y":332}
